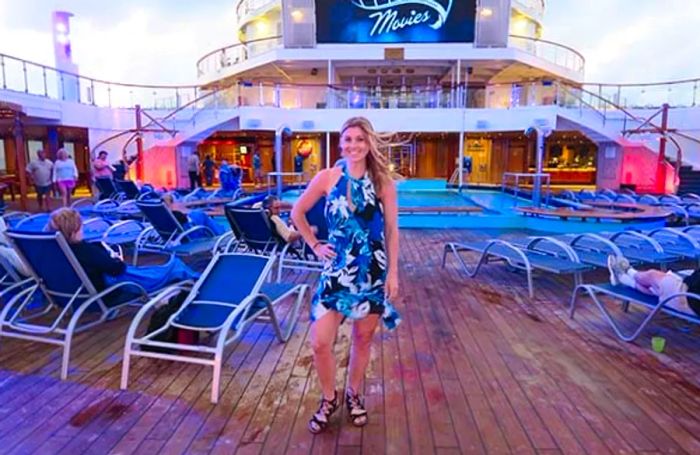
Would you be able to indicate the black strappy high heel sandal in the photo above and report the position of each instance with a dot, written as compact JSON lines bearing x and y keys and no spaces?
{"x":319,"y":421}
{"x":357,"y":414}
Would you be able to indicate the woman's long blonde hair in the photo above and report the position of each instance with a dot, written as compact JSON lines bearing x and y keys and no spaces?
{"x":379,"y":143}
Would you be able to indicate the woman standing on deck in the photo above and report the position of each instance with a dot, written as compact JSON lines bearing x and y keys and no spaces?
{"x":359,"y":279}
{"x":65,"y":175}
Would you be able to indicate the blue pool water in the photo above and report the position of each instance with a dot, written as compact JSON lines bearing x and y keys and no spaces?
{"x":498,"y":210}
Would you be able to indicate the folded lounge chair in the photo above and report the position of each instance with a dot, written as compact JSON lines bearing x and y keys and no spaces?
{"x":231,"y":294}
{"x":72,"y":304}
{"x":628,"y":295}
{"x":562,"y":262}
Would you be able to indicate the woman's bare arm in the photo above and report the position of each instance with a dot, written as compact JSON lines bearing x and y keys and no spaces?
{"x":391,"y":234}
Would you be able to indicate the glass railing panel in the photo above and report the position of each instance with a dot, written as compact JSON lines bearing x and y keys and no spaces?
{"x":52,"y":84}
{"x":36,"y":84}
{"x":14,"y":75}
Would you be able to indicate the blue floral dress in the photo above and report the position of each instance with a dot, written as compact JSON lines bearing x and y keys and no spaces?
{"x":353,"y":282}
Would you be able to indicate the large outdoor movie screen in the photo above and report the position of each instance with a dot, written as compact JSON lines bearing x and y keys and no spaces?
{"x":395,"y":21}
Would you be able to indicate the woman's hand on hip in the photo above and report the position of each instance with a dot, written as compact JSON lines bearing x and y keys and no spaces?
{"x":324,"y":251}
{"x":392,"y":286}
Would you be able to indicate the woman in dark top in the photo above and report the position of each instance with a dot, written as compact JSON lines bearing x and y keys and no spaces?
{"x":104,"y":268}
{"x":658,"y":283}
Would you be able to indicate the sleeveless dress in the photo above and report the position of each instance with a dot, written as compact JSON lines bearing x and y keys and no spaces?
{"x":353,"y":282}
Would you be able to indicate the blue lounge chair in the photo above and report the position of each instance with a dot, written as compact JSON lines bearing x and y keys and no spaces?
{"x":637,"y":247}
{"x":251,"y":231}
{"x":591,"y":249}
{"x":628,"y":295}
{"x":166,"y":234}
{"x":95,"y":229}
{"x":108,"y":189}
{"x":10,"y":281}
{"x":72,"y":304}
{"x":562,"y":262}
{"x":303,"y":258}
{"x":231,"y":294}
{"x":128,"y":188}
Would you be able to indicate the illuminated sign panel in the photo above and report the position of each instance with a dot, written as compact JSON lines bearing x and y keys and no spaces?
{"x":395,"y":21}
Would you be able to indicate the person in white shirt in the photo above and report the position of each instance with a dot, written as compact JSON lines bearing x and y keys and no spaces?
{"x":65,"y":175}
{"x":39,"y":171}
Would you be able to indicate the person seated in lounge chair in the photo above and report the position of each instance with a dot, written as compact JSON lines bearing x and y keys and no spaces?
{"x":196,"y":217}
{"x":274,"y":208}
{"x":104,"y":268}
{"x":658,"y":283}
{"x":9,"y":253}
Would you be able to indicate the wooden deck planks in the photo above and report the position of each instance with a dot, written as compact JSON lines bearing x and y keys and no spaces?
{"x":475,"y":367}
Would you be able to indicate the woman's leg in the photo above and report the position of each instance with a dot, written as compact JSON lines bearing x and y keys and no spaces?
{"x":64,"y":191}
{"x":362,"y":335}
{"x":648,"y":281}
{"x":323,"y":332}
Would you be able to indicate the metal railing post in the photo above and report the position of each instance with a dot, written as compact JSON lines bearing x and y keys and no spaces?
{"x":92,"y":91}
{"x":63,"y":88}
{"x":46,"y":89}
{"x":695,"y":90}
{"x":109,"y":95}
{"x":2,"y":66}
{"x":26,"y":83}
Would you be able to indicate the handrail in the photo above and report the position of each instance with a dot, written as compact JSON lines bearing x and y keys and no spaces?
{"x":92,"y":79}
{"x":232,"y":46}
{"x":579,"y":59}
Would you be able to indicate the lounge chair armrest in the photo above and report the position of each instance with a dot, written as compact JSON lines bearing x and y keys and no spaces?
{"x":15,"y":214}
{"x":105,"y":205}
{"x":116,"y":287}
{"x":694,"y":244}
{"x":639,"y":237}
{"x":13,"y":287}
{"x":96,"y":223}
{"x":598,"y":238}
{"x":222,"y":240}
{"x":570,"y":252}
{"x":120,"y":225}
{"x":192,"y":230}
{"x":81,"y":202}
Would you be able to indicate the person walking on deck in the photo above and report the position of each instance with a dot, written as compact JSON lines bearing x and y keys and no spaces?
{"x":65,"y":175}
{"x":39,"y":171}
{"x":361,"y":276}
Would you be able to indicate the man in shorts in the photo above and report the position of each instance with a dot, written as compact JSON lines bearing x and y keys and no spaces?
{"x":39,"y":171}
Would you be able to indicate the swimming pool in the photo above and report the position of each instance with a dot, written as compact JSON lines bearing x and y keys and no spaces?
{"x":498,"y":210}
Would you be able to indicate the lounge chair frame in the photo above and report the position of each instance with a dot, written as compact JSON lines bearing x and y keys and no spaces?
{"x":153,"y":240}
{"x":61,"y":329}
{"x":518,"y":260}
{"x":214,"y":354}
{"x":628,"y":295}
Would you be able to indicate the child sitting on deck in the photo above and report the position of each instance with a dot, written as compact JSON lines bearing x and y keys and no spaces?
{"x":658,"y":283}
{"x":104,"y":269}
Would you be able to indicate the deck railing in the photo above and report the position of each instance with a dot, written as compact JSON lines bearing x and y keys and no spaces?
{"x":36,"y":79}
{"x":559,"y":54}
{"x":25,"y":76}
